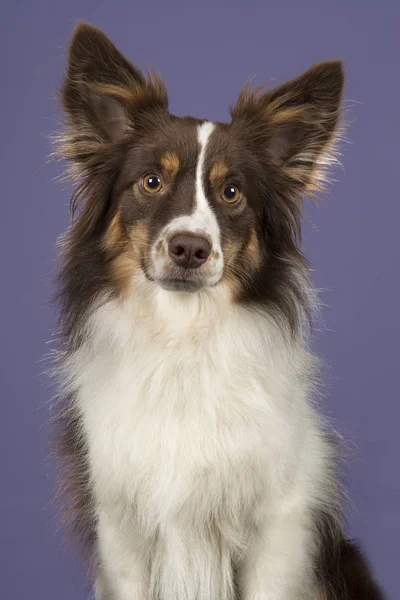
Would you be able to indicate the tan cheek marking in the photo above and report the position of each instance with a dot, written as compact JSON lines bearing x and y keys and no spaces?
{"x":250,"y":260}
{"x":230,"y":251}
{"x":170,"y":163}
{"x":122,"y":269}
{"x":231,"y":279}
{"x":114,"y":234}
{"x":139,"y":235}
{"x":218,"y":172}
{"x":252,"y":252}
{"x":129,"y":259}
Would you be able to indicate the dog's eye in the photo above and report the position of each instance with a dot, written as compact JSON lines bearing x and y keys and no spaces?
{"x":231,"y":194}
{"x":152,"y":183}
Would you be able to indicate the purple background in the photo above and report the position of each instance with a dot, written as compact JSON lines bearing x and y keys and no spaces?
{"x":206,"y":52}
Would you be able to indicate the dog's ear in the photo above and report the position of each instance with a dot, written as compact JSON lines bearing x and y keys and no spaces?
{"x":103,"y":92}
{"x":297,"y":123}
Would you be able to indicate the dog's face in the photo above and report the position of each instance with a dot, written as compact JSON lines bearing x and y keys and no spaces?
{"x":187,"y":199}
{"x":181,"y":200}
{"x":187,"y":203}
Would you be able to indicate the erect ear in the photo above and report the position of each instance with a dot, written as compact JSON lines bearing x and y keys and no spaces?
{"x":103,"y":91}
{"x":299,"y":122}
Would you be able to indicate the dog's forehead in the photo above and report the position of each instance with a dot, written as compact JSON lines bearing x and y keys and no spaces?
{"x":178,"y":136}
{"x":177,"y":143}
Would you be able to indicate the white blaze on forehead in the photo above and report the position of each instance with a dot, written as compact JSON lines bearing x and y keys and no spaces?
{"x":202,"y":220}
{"x":204,"y":132}
{"x":203,"y":211}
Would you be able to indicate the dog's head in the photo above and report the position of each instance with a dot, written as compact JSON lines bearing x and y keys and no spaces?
{"x":186,"y":203}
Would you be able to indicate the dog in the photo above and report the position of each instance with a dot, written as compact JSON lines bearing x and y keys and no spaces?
{"x":195,"y":463}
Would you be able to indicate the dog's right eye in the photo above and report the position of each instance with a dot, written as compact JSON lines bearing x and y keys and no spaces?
{"x":152,"y":183}
{"x":231,"y":194}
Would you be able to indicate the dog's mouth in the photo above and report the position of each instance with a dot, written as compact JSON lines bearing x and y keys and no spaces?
{"x":180,"y":285}
{"x":175,"y":284}
{"x":174,"y":279}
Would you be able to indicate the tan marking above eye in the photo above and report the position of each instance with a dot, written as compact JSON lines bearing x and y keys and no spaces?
{"x":152,"y":183}
{"x":218,"y":171}
{"x":231,"y":193}
{"x":170,"y":163}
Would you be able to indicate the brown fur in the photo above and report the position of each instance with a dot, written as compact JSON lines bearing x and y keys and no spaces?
{"x":118,"y":129}
{"x":114,"y":236}
{"x":252,"y":251}
{"x":218,"y":172}
{"x":170,"y":163}
{"x":276,"y":149}
{"x":128,"y":252}
{"x":242,"y":261}
{"x":293,"y":111}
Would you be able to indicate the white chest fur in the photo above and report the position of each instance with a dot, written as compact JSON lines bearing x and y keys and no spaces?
{"x":190,"y":416}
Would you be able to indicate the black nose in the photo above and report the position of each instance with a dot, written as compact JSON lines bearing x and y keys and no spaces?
{"x":189,"y":250}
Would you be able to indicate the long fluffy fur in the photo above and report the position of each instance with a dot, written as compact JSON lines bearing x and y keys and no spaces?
{"x":195,"y":462}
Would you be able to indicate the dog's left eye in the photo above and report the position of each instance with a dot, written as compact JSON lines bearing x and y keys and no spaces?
{"x":152,"y":183}
{"x":231,"y":194}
